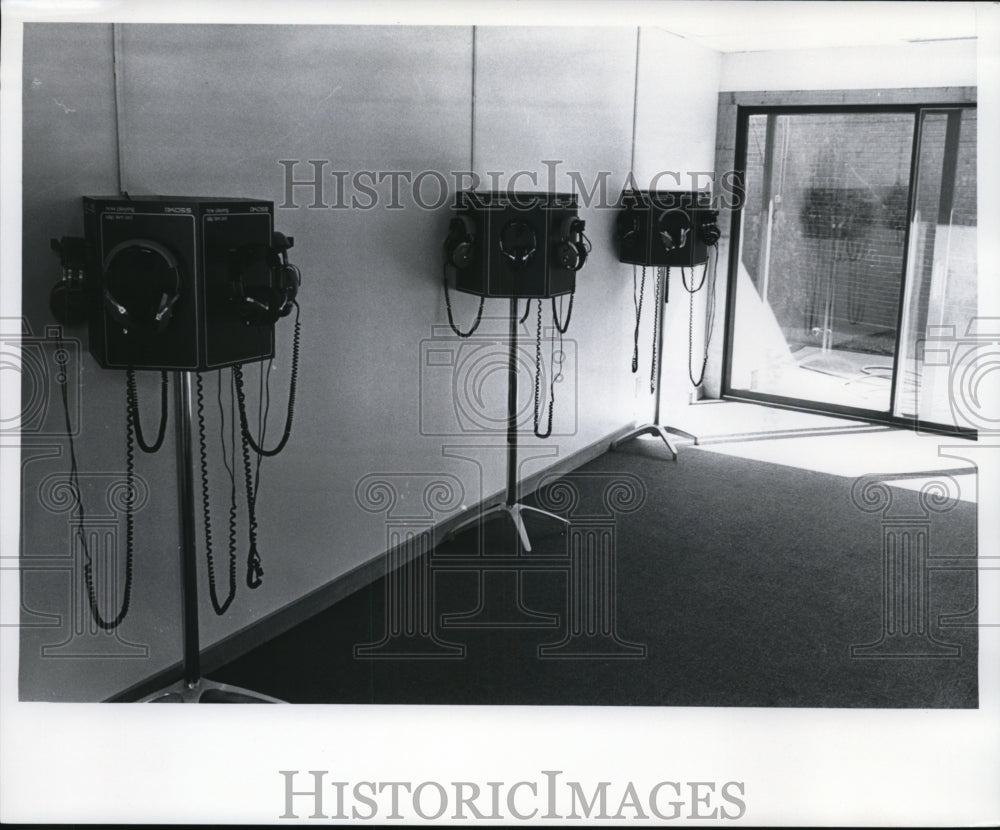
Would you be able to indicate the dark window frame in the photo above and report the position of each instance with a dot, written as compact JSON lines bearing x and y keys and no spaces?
{"x":743,"y":114}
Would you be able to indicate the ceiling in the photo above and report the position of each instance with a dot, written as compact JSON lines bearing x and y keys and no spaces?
{"x":763,"y":25}
{"x":722,"y":25}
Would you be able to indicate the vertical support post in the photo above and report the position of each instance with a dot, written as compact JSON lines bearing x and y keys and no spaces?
{"x":121,"y":134}
{"x":939,"y":235}
{"x":512,"y":407}
{"x":656,"y":428}
{"x":662,"y":284}
{"x":767,"y":200}
{"x":186,"y":511}
{"x":829,"y":298}
{"x":194,"y":688}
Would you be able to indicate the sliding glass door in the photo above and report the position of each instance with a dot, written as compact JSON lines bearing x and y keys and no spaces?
{"x":940,"y":290}
{"x":856,"y":236}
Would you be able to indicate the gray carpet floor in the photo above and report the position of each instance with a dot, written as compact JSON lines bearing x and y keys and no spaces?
{"x":735,"y":583}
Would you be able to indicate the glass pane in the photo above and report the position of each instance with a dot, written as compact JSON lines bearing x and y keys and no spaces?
{"x":941,"y":280}
{"x":821,"y":257}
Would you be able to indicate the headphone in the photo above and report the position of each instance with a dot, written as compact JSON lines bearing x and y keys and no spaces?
{"x":572,"y":247}
{"x":673,"y":227}
{"x":264,"y":304}
{"x":142,"y":284}
{"x":518,"y":242}
{"x":628,"y":225}
{"x":68,"y":297}
{"x":458,"y":247}
{"x":708,"y":230}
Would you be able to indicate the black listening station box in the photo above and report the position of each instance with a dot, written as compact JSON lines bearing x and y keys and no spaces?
{"x":665,"y":227}
{"x":163,"y":293}
{"x":507,"y":244}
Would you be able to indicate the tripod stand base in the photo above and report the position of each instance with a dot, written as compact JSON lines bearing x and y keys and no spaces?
{"x":647,"y":429}
{"x":208,"y":691}
{"x":513,"y":512}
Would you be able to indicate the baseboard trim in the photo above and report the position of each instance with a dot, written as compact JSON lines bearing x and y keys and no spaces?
{"x":341,"y":587}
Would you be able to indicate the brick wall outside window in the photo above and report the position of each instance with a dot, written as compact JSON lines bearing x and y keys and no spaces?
{"x":840,"y":185}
